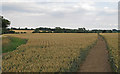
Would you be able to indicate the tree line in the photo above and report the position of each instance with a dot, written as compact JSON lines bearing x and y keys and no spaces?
{"x":64,"y":30}
{"x":79,"y":30}
{"x":5,"y":23}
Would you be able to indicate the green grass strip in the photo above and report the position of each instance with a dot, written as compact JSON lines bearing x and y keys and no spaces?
{"x":13,"y":44}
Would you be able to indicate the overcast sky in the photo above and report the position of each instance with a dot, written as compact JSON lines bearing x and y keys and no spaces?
{"x":67,"y":14}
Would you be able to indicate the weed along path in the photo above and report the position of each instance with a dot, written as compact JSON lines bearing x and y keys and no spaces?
{"x":97,"y":59}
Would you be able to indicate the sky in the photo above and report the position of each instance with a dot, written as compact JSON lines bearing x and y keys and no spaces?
{"x":94,"y":14}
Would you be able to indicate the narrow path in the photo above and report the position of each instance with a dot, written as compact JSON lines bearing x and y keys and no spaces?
{"x":97,"y":59}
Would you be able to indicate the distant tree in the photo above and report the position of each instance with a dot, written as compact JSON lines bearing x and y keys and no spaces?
{"x":26,"y":28}
{"x":32,"y":29}
{"x":36,"y":30}
{"x":109,"y":31}
{"x":84,"y":29}
{"x":118,"y":31}
{"x":104,"y":31}
{"x":12,"y":32}
{"x":81,"y":30}
{"x":114,"y":31}
{"x":12,"y":28}
{"x":58,"y":30}
{"x":19,"y":28}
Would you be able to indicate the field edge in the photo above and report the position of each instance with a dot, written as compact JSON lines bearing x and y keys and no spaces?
{"x":13,"y":44}
{"x":110,"y":59}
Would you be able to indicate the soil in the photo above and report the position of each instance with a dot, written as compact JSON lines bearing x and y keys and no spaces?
{"x":97,"y":59}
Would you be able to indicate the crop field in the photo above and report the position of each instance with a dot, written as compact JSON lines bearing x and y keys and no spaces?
{"x":27,"y":31}
{"x":112,"y":41}
{"x":53,"y":52}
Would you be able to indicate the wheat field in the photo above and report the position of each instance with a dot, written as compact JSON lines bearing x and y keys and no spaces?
{"x":53,"y":52}
{"x":28,"y":31}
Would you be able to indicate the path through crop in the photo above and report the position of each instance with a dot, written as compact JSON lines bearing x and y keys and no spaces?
{"x":97,"y":59}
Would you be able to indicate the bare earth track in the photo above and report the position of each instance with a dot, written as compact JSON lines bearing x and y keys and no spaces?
{"x":97,"y":59}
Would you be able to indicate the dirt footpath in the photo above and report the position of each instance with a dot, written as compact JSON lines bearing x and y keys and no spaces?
{"x":97,"y":59}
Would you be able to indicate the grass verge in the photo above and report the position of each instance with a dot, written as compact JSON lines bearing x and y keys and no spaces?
{"x":83,"y":54}
{"x":13,"y":43}
{"x":110,"y":56}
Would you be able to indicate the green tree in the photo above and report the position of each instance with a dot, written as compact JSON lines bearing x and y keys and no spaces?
{"x":58,"y":30}
{"x":4,"y":23}
{"x":81,"y":30}
{"x":36,"y":30}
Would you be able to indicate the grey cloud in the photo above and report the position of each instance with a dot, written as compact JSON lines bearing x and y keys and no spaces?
{"x":72,"y":15}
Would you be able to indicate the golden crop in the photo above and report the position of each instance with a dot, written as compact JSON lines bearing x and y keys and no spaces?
{"x":51,"y":52}
{"x":112,"y":41}
{"x":28,"y":31}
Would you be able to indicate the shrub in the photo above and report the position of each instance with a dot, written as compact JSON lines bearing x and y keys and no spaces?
{"x":12,"y":32}
{"x":25,"y":32}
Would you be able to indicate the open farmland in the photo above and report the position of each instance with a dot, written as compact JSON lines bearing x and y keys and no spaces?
{"x":112,"y":42}
{"x":27,"y":31}
{"x":53,"y":52}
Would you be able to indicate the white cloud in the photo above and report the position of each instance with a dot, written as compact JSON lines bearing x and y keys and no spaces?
{"x":87,"y":6}
{"x":110,"y":10}
{"x":97,"y":19}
